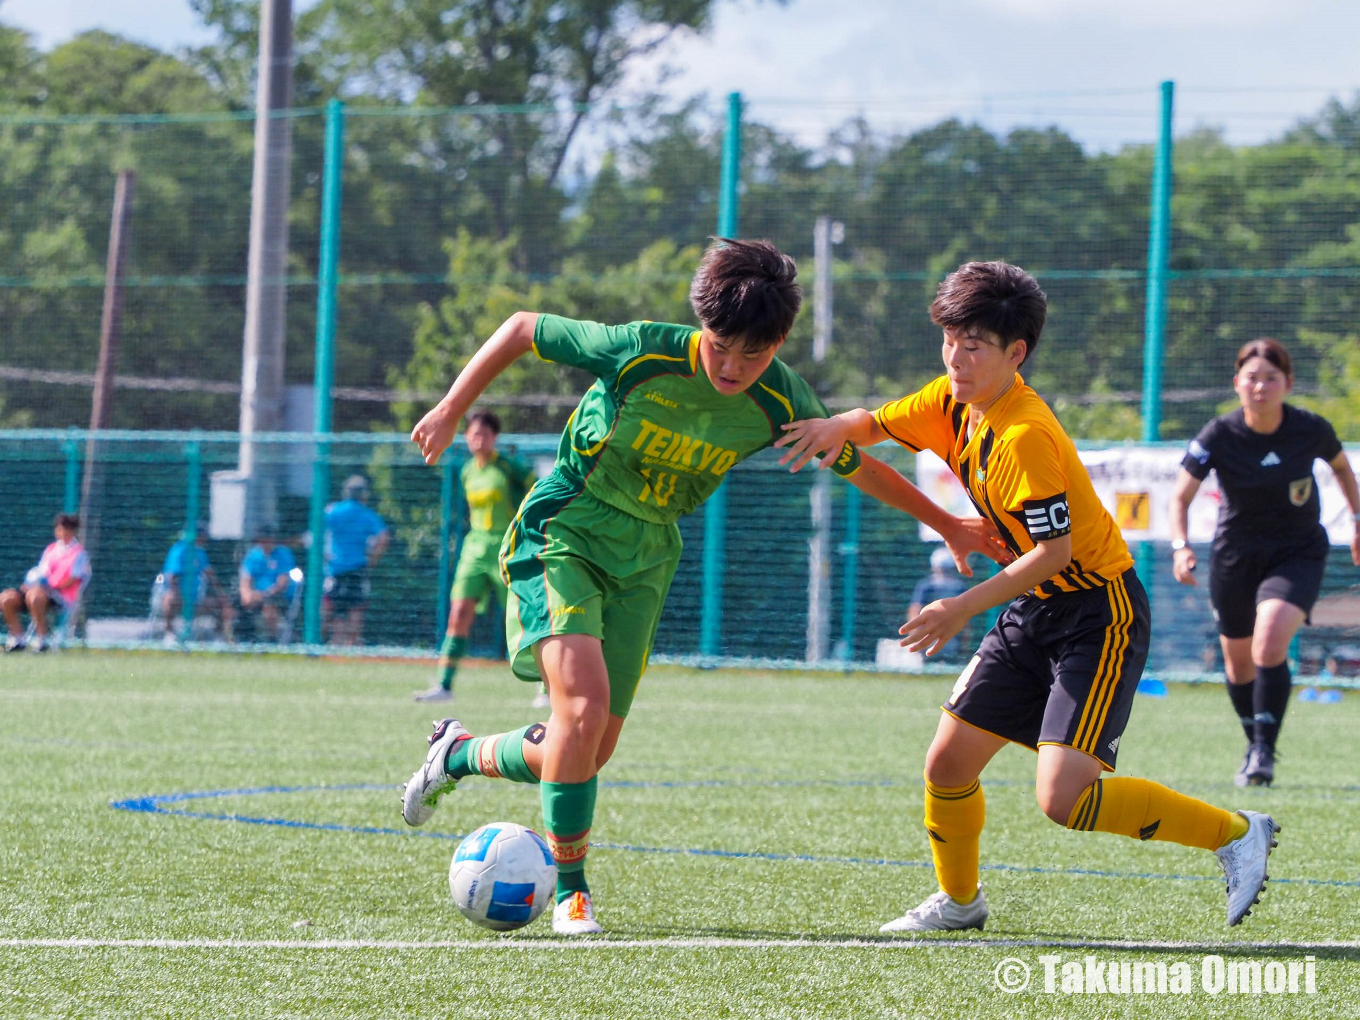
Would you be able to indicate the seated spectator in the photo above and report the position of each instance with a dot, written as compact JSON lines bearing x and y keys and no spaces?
{"x":267,"y":588}
{"x":190,"y":555}
{"x":53,"y":586}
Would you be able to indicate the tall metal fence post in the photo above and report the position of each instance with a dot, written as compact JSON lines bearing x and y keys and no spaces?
{"x":715,"y":510}
{"x":70,"y":502}
{"x":1159,"y":257}
{"x":849,"y":573}
{"x":1154,"y":316}
{"x":327,"y":279}
{"x":447,"y":480}
{"x":188,"y":568}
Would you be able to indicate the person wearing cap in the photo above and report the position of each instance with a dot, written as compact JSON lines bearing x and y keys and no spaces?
{"x":944,"y":582}
{"x":266,"y":584}
{"x":189,"y":556}
{"x":356,"y":538}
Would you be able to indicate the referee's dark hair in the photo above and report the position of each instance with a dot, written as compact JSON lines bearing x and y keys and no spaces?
{"x":1265,"y":347}
{"x":746,"y":290}
{"x":994,"y":296}
{"x":488,"y":418}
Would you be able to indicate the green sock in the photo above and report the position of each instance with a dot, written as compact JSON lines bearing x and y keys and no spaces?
{"x":499,"y":756}
{"x":450,"y":652}
{"x":568,"y":810}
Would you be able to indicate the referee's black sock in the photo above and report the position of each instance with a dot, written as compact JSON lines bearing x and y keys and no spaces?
{"x":1270,"y":698}
{"x":1244,"y":706}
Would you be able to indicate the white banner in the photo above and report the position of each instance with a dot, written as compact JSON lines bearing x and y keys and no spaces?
{"x":1135,"y":484}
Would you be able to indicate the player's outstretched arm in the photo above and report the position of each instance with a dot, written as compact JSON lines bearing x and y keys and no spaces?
{"x":961,"y":535}
{"x":513,"y":340}
{"x":812,"y":436}
{"x":931,"y":628}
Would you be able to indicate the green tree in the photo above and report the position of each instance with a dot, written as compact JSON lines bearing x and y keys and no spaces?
{"x":484,"y":289}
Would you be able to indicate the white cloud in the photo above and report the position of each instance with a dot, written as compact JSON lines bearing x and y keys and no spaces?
{"x":159,"y":23}
{"x":1092,"y":66}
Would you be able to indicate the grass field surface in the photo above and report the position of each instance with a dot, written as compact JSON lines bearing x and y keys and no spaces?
{"x":213,"y":836}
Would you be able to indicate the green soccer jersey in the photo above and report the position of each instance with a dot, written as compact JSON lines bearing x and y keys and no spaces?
{"x":493,"y":494}
{"x":652,"y":436}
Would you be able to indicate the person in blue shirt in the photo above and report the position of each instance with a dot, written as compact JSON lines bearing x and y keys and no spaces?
{"x":356,"y":538}
{"x":266,"y":584}
{"x":944,"y":582}
{"x":189,"y":556}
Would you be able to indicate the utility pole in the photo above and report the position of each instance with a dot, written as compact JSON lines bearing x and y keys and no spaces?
{"x":262,"y":356}
{"x":825,"y":233}
{"x":110,"y":330}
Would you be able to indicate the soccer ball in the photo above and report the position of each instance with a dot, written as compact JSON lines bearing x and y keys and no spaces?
{"x":502,"y":876}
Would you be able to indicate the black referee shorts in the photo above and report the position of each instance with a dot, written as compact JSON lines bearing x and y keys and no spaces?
{"x":1243,"y":573}
{"x":1061,"y":670}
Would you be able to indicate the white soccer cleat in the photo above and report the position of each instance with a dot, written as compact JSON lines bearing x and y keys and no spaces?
{"x":541,"y":700}
{"x":422,"y":791}
{"x":941,"y":912}
{"x":14,"y":643}
{"x":1244,"y":864}
{"x":576,"y":916}
{"x":435,"y":693}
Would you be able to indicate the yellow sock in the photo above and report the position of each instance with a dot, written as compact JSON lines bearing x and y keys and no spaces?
{"x":1237,"y":829}
{"x":954,"y":817}
{"x":1142,"y":809}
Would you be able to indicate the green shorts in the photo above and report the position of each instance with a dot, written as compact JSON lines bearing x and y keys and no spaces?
{"x":478,"y":575}
{"x":577,"y":565}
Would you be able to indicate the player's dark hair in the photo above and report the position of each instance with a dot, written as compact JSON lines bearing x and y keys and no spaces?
{"x":746,"y":290}
{"x":995,"y":296}
{"x":1264,"y":347}
{"x":488,"y":418}
{"x":71,"y":521}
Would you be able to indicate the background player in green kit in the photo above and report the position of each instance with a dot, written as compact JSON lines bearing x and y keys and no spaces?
{"x":591,"y":553}
{"x":493,"y":484}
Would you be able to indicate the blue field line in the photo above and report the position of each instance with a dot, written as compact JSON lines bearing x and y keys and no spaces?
{"x":154,"y":804}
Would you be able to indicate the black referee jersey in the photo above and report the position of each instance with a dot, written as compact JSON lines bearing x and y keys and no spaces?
{"x":1266,"y":479}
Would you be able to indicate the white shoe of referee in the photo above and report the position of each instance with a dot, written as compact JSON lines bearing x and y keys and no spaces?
{"x":941,"y":912}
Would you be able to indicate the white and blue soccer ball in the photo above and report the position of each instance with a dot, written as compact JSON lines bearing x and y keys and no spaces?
{"x":502,"y":876}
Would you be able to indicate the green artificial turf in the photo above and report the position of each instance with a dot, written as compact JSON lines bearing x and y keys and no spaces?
{"x":753,"y":831}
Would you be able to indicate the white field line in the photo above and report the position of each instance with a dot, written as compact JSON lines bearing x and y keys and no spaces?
{"x":664,"y":943}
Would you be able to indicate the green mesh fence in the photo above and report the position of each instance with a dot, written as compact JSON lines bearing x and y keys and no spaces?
{"x":179,"y":359}
{"x":453,"y":219}
{"x":150,"y":486}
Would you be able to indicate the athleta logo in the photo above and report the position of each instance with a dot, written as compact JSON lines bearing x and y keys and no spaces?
{"x":1047,"y":518}
{"x":657,"y":398}
{"x":687,"y":453}
{"x":1270,"y":459}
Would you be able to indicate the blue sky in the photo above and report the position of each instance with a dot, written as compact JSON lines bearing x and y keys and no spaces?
{"x":1250,"y":67}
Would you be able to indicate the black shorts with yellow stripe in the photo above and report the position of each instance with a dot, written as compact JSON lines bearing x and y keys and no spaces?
{"x":1060,"y":670}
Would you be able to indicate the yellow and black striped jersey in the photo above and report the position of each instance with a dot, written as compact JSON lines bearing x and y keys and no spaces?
{"x":1022,"y":472}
